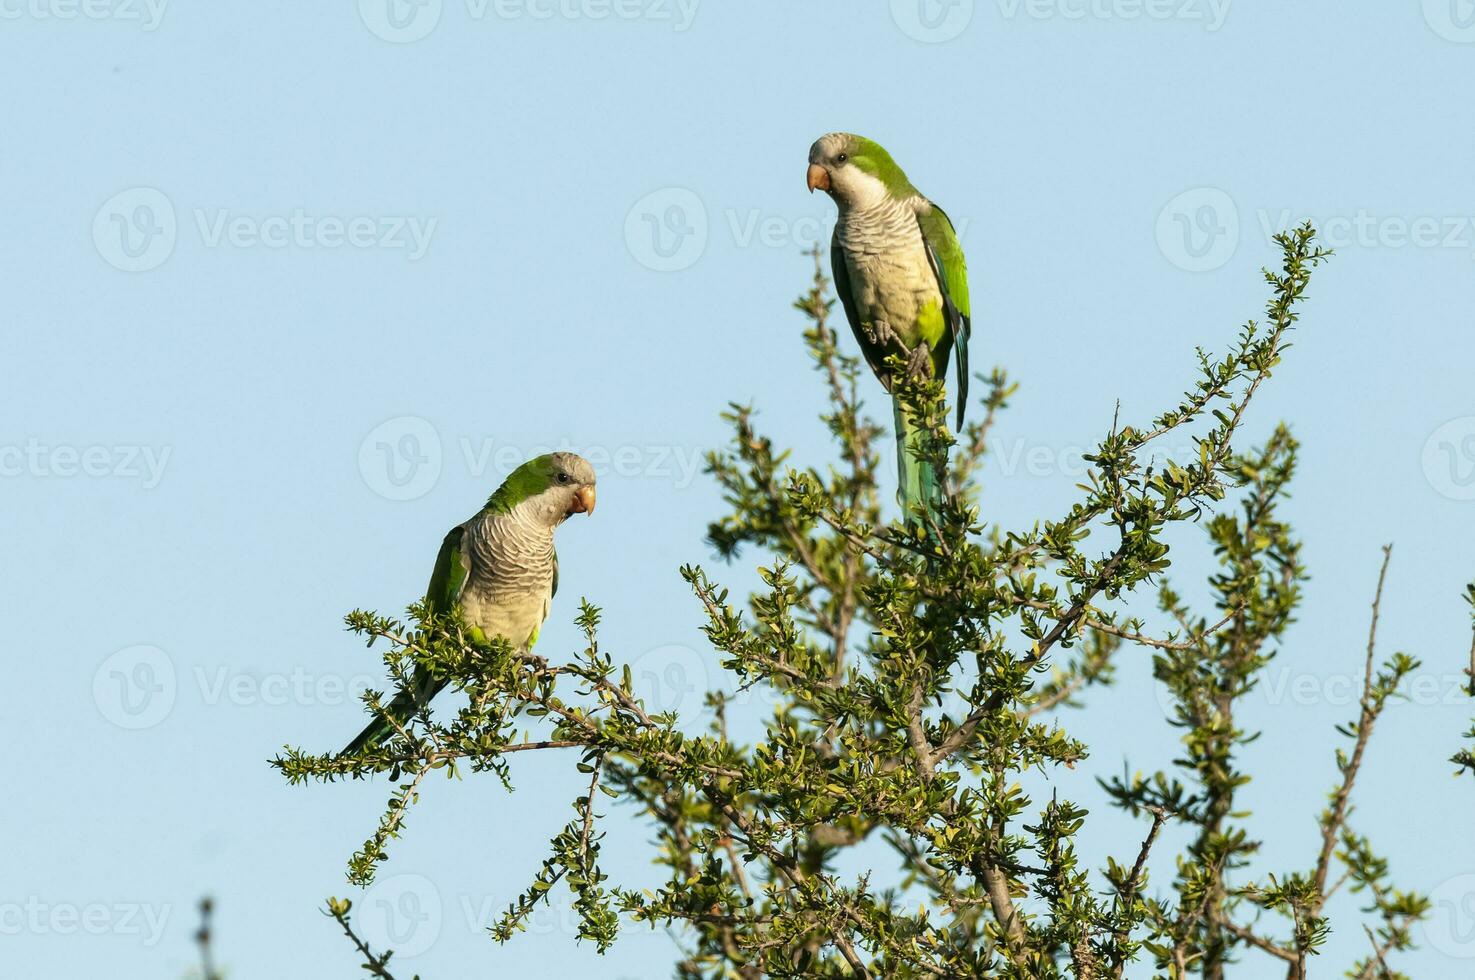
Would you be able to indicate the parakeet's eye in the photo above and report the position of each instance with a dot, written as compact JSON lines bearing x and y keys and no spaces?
{"x":842,"y":158}
{"x":563,"y":478}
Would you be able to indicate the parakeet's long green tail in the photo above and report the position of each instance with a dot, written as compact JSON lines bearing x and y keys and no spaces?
{"x":916,"y":481}
{"x":401,"y":709}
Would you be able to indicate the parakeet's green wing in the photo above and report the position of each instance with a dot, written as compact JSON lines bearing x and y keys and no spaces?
{"x":874,"y":355}
{"x":449,"y":575}
{"x":447,"y":580}
{"x":946,"y":256}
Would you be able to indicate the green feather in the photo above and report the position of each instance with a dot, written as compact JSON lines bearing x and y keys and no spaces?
{"x":528,"y":480}
{"x":447,"y":580}
{"x":917,"y":484}
{"x":946,"y":255}
{"x":872,"y":158}
{"x":449,"y":575}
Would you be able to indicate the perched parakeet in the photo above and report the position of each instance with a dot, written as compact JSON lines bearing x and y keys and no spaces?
{"x":499,"y":569}
{"x":900,"y":275}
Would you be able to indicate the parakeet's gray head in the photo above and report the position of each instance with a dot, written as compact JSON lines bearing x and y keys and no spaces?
{"x":855,"y":171}
{"x":548,"y":488}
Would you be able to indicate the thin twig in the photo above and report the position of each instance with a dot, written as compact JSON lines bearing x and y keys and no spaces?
{"x":1258,"y":941}
{"x":1377,"y":958}
{"x":1134,"y":882}
{"x":375,"y":965}
{"x":1332,"y":826}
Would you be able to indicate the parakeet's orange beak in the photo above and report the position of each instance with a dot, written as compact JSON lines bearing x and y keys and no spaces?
{"x":819,"y":178}
{"x":583,"y":501}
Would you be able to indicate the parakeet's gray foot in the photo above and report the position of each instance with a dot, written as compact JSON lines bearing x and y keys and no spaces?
{"x":880,"y":333}
{"x":919,"y":366}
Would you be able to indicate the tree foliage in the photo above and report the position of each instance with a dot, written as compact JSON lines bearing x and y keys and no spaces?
{"x":918,"y":668}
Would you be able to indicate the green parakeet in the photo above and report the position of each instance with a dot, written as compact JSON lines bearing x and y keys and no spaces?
{"x":499,"y":569}
{"x":899,"y":272}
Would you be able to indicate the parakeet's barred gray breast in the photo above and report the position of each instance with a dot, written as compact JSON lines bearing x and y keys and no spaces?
{"x":510,"y":553}
{"x":888,"y":225}
{"x":891,"y":280}
{"x":509,"y":586}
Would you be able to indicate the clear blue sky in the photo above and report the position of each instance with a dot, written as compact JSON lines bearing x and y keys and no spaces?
{"x":288,"y":285}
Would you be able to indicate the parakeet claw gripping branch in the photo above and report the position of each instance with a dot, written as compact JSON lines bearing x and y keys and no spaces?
{"x":900,"y":274}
